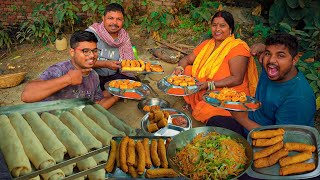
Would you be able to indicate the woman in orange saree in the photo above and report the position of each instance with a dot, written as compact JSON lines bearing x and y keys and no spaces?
{"x":219,"y":62}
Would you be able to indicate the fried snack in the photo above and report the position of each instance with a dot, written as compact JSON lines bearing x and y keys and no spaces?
{"x":154,"y":153}
{"x":292,"y":146}
{"x":160,"y":173}
{"x":162,"y":153}
{"x":271,"y":160}
{"x":112,"y":156}
{"x":296,"y":168}
{"x":267,"y":133}
{"x":148,"y":67}
{"x":156,"y":68}
{"x":131,"y":153}
{"x":146,"y":108}
{"x":153,"y":127}
{"x":158,"y":115}
{"x":151,"y":116}
{"x":162,"y":123}
{"x":295,"y":159}
{"x":267,"y":142}
{"x":146,"y":147}
{"x":142,"y":158}
{"x":268,"y":151}
{"x":123,"y":154}
{"x":168,"y":142}
{"x":117,"y":156}
{"x":132,"y":171}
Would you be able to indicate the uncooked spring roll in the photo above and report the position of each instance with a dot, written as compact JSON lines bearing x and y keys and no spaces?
{"x":267,"y":133}
{"x":101,"y":157}
{"x":267,"y":142}
{"x":68,"y":169}
{"x":101,"y":120}
{"x":12,"y":149}
{"x":295,"y":159}
{"x":268,"y":151}
{"x":46,"y":136}
{"x":88,"y":140}
{"x":116,"y":122}
{"x":297,"y":168}
{"x":53,"y":175}
{"x":72,"y":143}
{"x":293,"y":146}
{"x":102,"y":135}
{"x":97,"y":175}
{"x":31,"y":144}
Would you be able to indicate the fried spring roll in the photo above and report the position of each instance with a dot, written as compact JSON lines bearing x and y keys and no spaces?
{"x":297,"y":168}
{"x":295,"y":159}
{"x":117,"y":156}
{"x":131,"y":153}
{"x":268,"y":151}
{"x":112,"y":157}
{"x":267,"y":133}
{"x":132,"y":171}
{"x":154,"y":153}
{"x":146,"y":147}
{"x":123,"y":154}
{"x":162,"y":153}
{"x":141,"y":156}
{"x":271,"y":160}
{"x":160,"y":173}
{"x":299,"y":147}
{"x":168,"y":142}
{"x":267,"y":142}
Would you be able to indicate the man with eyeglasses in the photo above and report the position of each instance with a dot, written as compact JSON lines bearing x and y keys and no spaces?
{"x":114,"y":43}
{"x":73,"y":78}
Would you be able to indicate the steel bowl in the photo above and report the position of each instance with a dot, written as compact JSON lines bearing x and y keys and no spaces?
{"x":153,"y":102}
{"x":182,"y":139}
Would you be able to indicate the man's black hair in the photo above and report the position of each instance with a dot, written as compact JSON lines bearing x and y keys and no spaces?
{"x":81,"y":36}
{"x":114,"y":7}
{"x":227,"y":17}
{"x":289,"y":41}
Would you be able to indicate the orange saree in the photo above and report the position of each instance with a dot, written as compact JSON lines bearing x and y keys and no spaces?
{"x":201,"y":110}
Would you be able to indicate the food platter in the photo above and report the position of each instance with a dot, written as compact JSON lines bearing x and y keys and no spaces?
{"x":175,"y":90}
{"x":143,"y":70}
{"x":251,"y":104}
{"x":137,"y":93}
{"x":171,"y":129}
{"x":293,"y":133}
{"x":181,"y":140}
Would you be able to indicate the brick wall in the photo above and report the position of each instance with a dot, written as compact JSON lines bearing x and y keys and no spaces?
{"x":14,"y":12}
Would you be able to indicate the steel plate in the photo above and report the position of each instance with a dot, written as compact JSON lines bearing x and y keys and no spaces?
{"x":171,"y":129}
{"x":293,"y":133}
{"x":251,"y":104}
{"x":153,"y":102}
{"x":143,"y":91}
{"x":181,"y":140}
{"x":165,"y":87}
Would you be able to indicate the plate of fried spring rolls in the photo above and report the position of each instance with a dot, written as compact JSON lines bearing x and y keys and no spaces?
{"x":139,"y":157}
{"x":284,"y":151}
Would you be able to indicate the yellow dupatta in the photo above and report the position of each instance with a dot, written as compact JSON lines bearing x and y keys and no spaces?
{"x":208,"y":62}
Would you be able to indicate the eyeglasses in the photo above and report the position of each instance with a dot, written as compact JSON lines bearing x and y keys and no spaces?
{"x":87,"y":51}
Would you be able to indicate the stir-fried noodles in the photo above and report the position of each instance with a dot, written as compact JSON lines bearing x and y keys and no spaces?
{"x":211,"y":156}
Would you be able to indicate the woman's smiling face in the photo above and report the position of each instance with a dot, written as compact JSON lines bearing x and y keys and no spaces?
{"x":220,"y":29}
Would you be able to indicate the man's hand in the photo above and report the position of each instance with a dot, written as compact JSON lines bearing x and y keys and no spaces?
{"x":202,"y":85}
{"x":258,"y":50}
{"x":178,"y":71}
{"x":112,"y":64}
{"x":76,"y":76}
{"x":239,"y":115}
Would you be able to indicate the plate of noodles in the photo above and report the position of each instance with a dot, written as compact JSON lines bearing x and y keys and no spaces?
{"x":209,"y":153}
{"x":230,"y":99}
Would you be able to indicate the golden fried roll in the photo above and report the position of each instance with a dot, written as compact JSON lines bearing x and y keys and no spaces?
{"x":148,"y":67}
{"x":299,"y":147}
{"x":271,"y":160}
{"x":162,"y":123}
{"x":267,"y":133}
{"x":267,"y":142}
{"x":112,"y":156}
{"x":132,"y":171}
{"x":297,"y":168}
{"x":154,"y":153}
{"x":168,"y":142}
{"x":268,"y":151}
{"x":117,"y":156}
{"x":153,"y":127}
{"x":295,"y":159}
{"x":162,"y":153}
{"x":141,"y":158}
{"x":146,"y":147}
{"x":161,"y":173}
{"x":131,"y":154}
{"x":123,"y":154}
